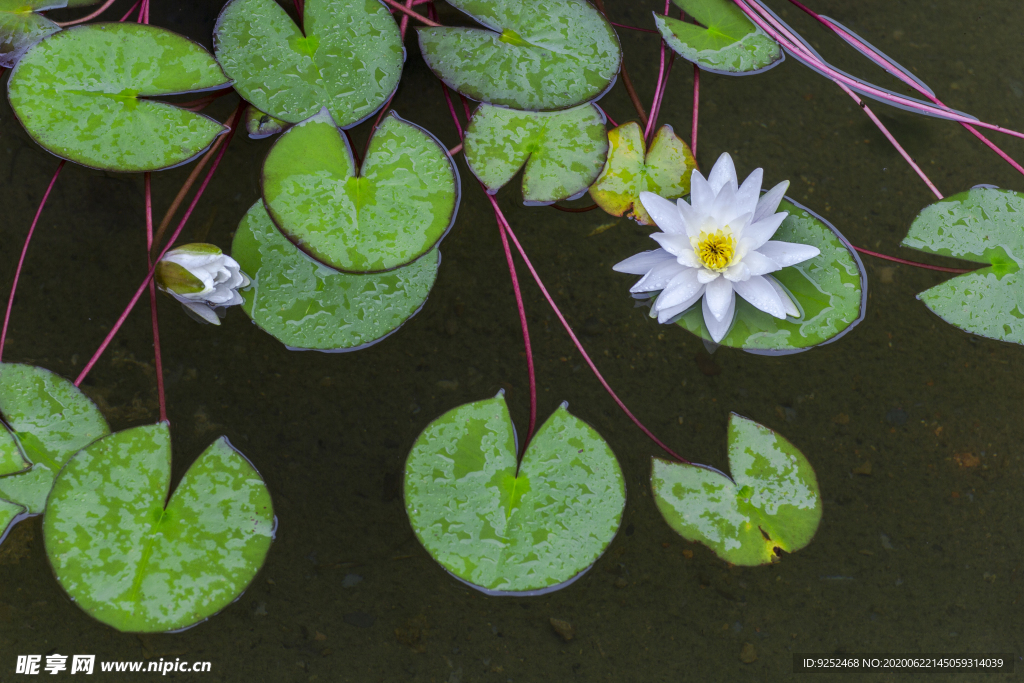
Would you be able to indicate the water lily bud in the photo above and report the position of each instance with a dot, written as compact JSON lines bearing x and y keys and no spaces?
{"x":202,"y":278}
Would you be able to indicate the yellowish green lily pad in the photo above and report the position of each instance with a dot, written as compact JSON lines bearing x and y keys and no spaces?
{"x":260,"y":125}
{"x":771,"y":504}
{"x":509,"y":529}
{"x":22,"y":25}
{"x":631,"y":169}
{"x":139,"y":561}
{"x":725,"y":42}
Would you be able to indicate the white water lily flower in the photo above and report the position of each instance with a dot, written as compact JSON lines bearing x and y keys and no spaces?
{"x":715,"y":247}
{"x":202,"y":278}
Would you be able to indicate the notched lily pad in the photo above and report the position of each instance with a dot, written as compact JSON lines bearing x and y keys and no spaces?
{"x":537,"y":55}
{"x":387,"y":214}
{"x":506,"y":532}
{"x":984,"y":225}
{"x":306,"y":305}
{"x":50,"y":420}
{"x":349,"y":57}
{"x":771,"y":504}
{"x":726,"y":42}
{"x":82,"y":94}
{"x":830,"y":290}
{"x":22,"y":25}
{"x":630,"y":170}
{"x":139,"y":565}
{"x":563,"y":151}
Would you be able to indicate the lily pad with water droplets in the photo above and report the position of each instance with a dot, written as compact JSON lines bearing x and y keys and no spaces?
{"x":390,"y":212}
{"x":51,"y":420}
{"x":306,"y":305}
{"x":771,"y":504}
{"x":536,"y":55}
{"x":10,"y":514}
{"x":563,"y":151}
{"x":726,"y":42}
{"x":140,"y":562}
{"x":984,"y":225}
{"x":630,"y":170}
{"x":83,"y":94}
{"x":348,"y":58}
{"x":830,"y":290}
{"x":509,"y":532}
{"x":22,"y":25}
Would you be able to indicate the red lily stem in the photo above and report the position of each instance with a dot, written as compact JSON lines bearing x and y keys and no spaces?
{"x":633,"y":28}
{"x":657,"y":88}
{"x":129,"y":12}
{"x":383,"y":110}
{"x":103,"y":8}
{"x":24,"y":250}
{"x":352,"y":146}
{"x":404,"y":24}
{"x":610,"y":119}
{"x":170,"y":242}
{"x":158,"y":359}
{"x":418,"y":17}
{"x":299,"y":8}
{"x":451,"y":109}
{"x":656,"y":109}
{"x":913,"y":263}
{"x":696,"y":108}
{"x":455,"y":150}
{"x":575,"y":340}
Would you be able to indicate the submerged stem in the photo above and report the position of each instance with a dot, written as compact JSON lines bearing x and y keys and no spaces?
{"x":916,"y":264}
{"x":157,"y":356}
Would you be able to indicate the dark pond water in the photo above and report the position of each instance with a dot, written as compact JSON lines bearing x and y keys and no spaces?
{"x":921,"y":555}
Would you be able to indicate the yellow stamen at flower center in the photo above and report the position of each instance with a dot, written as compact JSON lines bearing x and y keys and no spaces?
{"x":715,"y":250}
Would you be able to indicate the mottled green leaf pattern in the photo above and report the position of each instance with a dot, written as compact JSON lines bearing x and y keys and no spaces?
{"x":726,"y":42}
{"x":630,"y":170}
{"x":12,"y":459}
{"x":22,"y":25}
{"x":389,"y":213}
{"x":309,"y":306}
{"x":505,"y":532}
{"x":9,"y":514}
{"x":260,"y":125}
{"x":984,"y":225}
{"x":133,"y":563}
{"x":536,"y":55}
{"x":81,"y":94}
{"x":348,"y":59}
{"x":563,"y":151}
{"x":52,"y":419}
{"x":772,"y":504}
{"x":830,"y":291}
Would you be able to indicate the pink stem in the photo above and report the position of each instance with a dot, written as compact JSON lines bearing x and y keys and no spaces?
{"x":610,"y":119}
{"x":129,"y":12}
{"x":418,"y":17}
{"x":696,"y":107}
{"x":404,"y":24}
{"x":158,"y":358}
{"x":575,"y":340}
{"x":657,"y":88}
{"x":913,"y":263}
{"x":633,"y":28}
{"x":656,"y":109}
{"x":451,"y":109}
{"x":170,"y":242}
{"x":103,"y":8}
{"x":24,"y":250}
{"x":299,"y":9}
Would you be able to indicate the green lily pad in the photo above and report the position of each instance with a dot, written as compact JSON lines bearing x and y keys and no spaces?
{"x":306,"y":305}
{"x":506,"y":532}
{"x":830,"y":290}
{"x":563,"y":151}
{"x":771,"y":503}
{"x":348,"y":59}
{"x":81,"y":94}
{"x":727,"y":42}
{"x":139,"y":565}
{"x":22,"y":25}
{"x":12,"y":458}
{"x":630,"y":170}
{"x":10,"y":514}
{"x":984,"y":225}
{"x":539,"y":55}
{"x":396,"y":209}
{"x":52,"y":419}
{"x":260,"y":125}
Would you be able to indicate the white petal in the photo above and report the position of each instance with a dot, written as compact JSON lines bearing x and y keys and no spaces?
{"x":673,"y":243}
{"x":723,"y":206}
{"x":718,"y":295}
{"x":688,"y":257}
{"x":682,"y":287}
{"x":691,"y":219}
{"x":787,"y":301}
{"x":769,"y":201}
{"x":737,"y":272}
{"x":642,"y":262}
{"x":757,"y":233}
{"x":760,"y":264}
{"x":701,"y":195}
{"x":657,"y":278}
{"x":788,"y":253}
{"x":202,"y":311}
{"x":235,"y":299}
{"x":719,"y":328}
{"x":666,"y":314}
{"x":760,"y":293}
{"x":664,"y":213}
{"x":705,"y":276}
{"x":750,"y":192}
{"x":723,"y":174}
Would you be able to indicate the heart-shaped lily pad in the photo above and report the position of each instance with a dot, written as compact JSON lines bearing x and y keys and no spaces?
{"x":306,"y":305}
{"x":140,"y":562}
{"x":82,"y":94}
{"x":830,"y":290}
{"x":630,"y":170}
{"x":984,"y":225}
{"x":506,"y":532}
{"x":771,"y":503}
{"x":348,"y":59}
{"x":563,"y":151}
{"x":21,"y":25}
{"x":51,"y":420}
{"x":536,"y":55}
{"x":395,"y":209}
{"x":727,"y":42}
